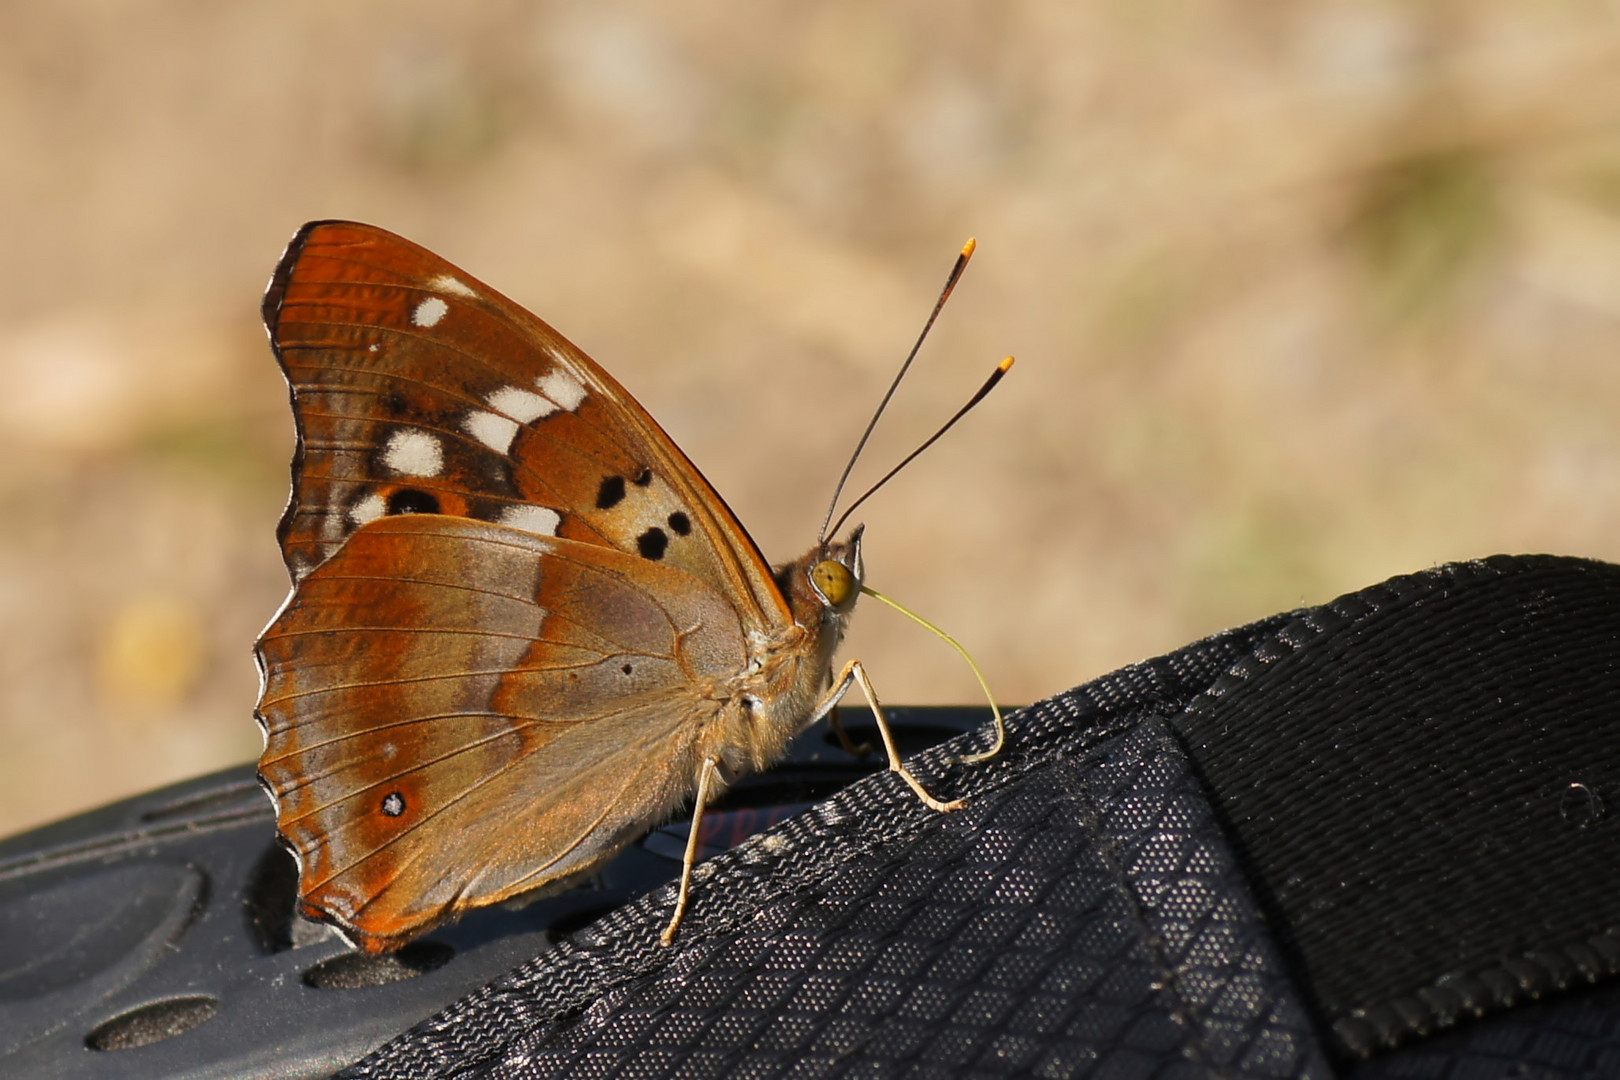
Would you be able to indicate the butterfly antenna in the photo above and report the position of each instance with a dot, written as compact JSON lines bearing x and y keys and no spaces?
{"x":989,"y":385}
{"x":944,"y":295}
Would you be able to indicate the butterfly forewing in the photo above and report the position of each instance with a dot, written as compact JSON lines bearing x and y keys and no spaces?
{"x":417,"y":388}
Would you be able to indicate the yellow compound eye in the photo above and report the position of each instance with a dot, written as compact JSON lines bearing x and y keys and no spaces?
{"x":834,"y":581}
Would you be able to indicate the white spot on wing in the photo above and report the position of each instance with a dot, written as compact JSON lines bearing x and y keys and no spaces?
{"x":367,"y":509}
{"x":373,"y":348}
{"x":429,"y":312}
{"x":446,"y":283}
{"x":540,"y":520}
{"x":520,"y":405}
{"x":495,"y":432}
{"x":413,"y":453}
{"x":561,"y":387}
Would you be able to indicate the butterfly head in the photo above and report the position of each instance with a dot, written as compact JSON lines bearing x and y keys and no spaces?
{"x":823,"y":586}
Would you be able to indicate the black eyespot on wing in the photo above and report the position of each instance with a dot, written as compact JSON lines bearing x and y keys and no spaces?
{"x":394,"y":403}
{"x":643,"y":478}
{"x":611,"y":493}
{"x":412,"y":501}
{"x":680,"y":523}
{"x":497,"y":470}
{"x":627,"y":669}
{"x":393,"y":804}
{"x":652,"y":543}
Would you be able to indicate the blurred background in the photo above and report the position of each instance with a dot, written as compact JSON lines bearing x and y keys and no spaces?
{"x":1304,"y":295}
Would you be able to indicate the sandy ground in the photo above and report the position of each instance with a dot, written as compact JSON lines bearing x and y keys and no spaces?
{"x":1304,"y":296}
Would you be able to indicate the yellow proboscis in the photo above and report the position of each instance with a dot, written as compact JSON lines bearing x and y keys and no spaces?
{"x":1001,"y":724}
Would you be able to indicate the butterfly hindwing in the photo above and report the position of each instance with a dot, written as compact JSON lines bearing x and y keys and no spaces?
{"x":419,"y":389}
{"x":529,"y":701}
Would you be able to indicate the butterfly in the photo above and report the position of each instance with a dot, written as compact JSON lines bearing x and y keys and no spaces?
{"x":523,"y":628}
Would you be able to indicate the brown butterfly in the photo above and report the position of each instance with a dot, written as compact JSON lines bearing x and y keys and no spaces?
{"x":523,"y":627}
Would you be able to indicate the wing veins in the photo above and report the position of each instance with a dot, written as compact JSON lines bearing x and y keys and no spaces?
{"x":560,"y":856}
{"x":421,"y":849}
{"x":422,"y":679}
{"x":519,"y":721}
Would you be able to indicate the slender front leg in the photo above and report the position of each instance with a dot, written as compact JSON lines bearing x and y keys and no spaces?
{"x":843,"y":736}
{"x":854,"y":673}
{"x":706,"y":775}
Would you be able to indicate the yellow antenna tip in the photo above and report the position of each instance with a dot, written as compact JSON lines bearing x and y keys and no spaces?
{"x":1005,"y":365}
{"x":967,"y":248}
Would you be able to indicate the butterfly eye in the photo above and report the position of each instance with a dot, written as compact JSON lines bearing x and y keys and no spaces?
{"x":833,"y":581}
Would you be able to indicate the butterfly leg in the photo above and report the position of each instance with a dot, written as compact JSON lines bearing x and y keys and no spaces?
{"x":854,"y":672}
{"x":706,"y":774}
{"x":844,"y":740}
